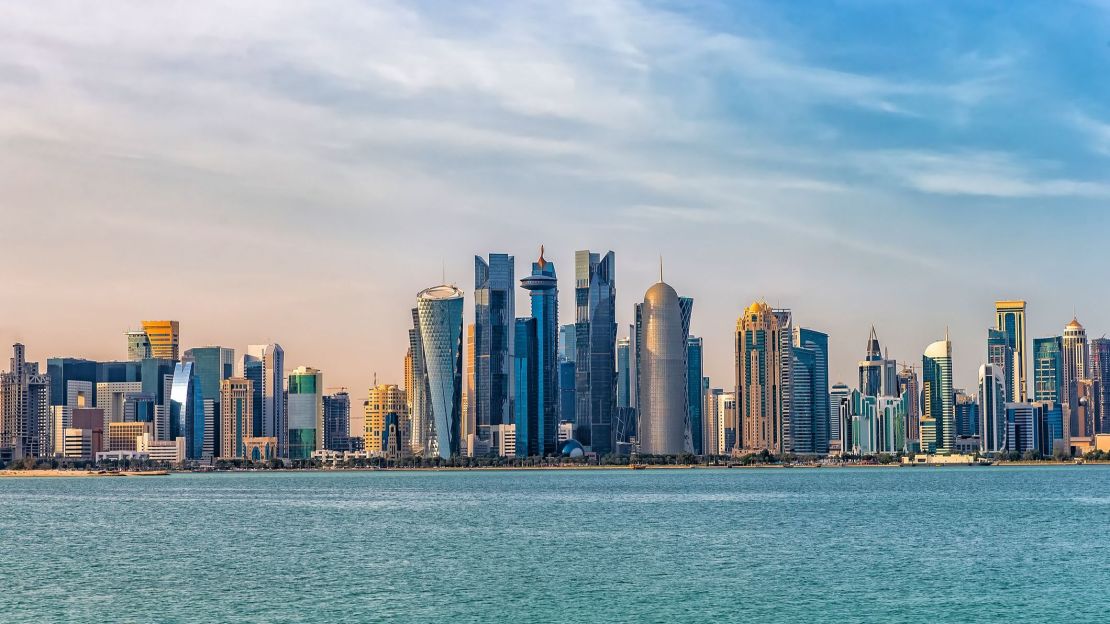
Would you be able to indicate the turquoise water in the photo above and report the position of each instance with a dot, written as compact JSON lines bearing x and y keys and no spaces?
{"x":848,"y":545}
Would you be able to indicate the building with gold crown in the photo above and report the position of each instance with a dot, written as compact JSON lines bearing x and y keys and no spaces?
{"x":758,"y":380}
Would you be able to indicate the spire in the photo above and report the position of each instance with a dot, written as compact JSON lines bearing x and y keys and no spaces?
{"x":873,"y":350}
{"x":541,"y":262}
{"x":660,"y":267}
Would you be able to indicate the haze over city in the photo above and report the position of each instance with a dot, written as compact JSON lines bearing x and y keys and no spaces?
{"x":297,"y":173}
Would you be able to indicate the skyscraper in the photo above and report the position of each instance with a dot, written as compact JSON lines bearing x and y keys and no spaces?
{"x":839,"y":394}
{"x":940,"y":408}
{"x":595,"y":297}
{"x":164,"y":339}
{"x":711,"y":424}
{"x":877,"y":375}
{"x":337,"y":421}
{"x":1001,"y":355}
{"x":211,"y":365}
{"x":758,"y":380}
{"x":1100,"y":377}
{"x":1010,"y":319}
{"x":661,"y":348}
{"x":992,"y":409}
{"x":809,"y":413}
{"x":525,"y":377}
{"x":305,"y":402}
{"x":138,"y":345}
{"x":468,"y":429}
{"x":624,"y":371}
{"x":386,"y":421}
{"x":494,"y":315}
{"x":1048,"y":369}
{"x":785,"y":320}
{"x":440,"y":317}
{"x":25,"y":408}
{"x":543,"y":291}
{"x":236,"y":403}
{"x":1074,"y":358}
{"x":908,"y":386}
{"x":272,"y":393}
{"x":187,"y":409}
{"x":695,"y":393}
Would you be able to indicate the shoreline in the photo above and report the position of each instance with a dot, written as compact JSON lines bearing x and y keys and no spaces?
{"x":53,"y":472}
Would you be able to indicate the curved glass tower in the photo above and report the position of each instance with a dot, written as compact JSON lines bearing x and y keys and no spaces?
{"x":440,"y":314}
{"x":186,"y":411}
{"x":662,"y":376}
{"x":940,"y":408}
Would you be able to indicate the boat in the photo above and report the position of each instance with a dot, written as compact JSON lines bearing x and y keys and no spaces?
{"x":637,"y":466}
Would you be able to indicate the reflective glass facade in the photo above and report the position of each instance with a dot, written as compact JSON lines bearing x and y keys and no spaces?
{"x":305,"y":405}
{"x":595,"y":298}
{"x":810,"y":389}
{"x":440,"y":317}
{"x":494,"y":317}
{"x":1048,"y":369}
{"x":187,"y":409}
{"x":937,"y":390}
{"x":695,"y":393}
{"x":662,"y":409}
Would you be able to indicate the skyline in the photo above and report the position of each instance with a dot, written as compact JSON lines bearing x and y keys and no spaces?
{"x":260,"y":173}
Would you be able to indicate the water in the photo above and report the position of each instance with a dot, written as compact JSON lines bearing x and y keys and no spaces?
{"x":849,"y":545}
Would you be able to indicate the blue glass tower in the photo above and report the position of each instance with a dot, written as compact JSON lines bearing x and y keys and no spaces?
{"x":695,"y":395}
{"x":595,"y":299}
{"x":211,"y":365}
{"x":494,"y":312}
{"x":810,"y":406}
{"x":186,"y":409}
{"x":542,"y":286}
{"x":1048,"y":368}
{"x":526,"y":388}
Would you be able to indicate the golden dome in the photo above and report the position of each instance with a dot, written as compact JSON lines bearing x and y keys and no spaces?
{"x":1074,"y":324}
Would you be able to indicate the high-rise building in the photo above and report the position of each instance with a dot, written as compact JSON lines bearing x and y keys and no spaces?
{"x":877,"y":374}
{"x":992,"y":408}
{"x":1048,"y":369}
{"x":759,"y":379}
{"x":212,"y":365}
{"x":695,"y":393}
{"x":164,"y":339}
{"x":940,"y":408}
{"x":711,"y":421}
{"x":1010,"y":319}
{"x":624,"y":371}
{"x":1100,"y":377}
{"x":1074,"y":358}
{"x":662,"y":409}
{"x":187,"y":409}
{"x":567,"y":344}
{"x":386,"y":421}
{"x":967,"y":414}
{"x":494,"y":314}
{"x":527,"y":437}
{"x":269,"y":396}
{"x":838,"y":395}
{"x":785,"y":320}
{"x":25,"y":415}
{"x":909,"y":386}
{"x":305,"y":405}
{"x":1001,"y":355}
{"x":237,"y":419}
{"x":337,"y":421}
{"x":138,"y":345}
{"x":729,"y":417}
{"x":440,"y":317}
{"x":809,"y":413}
{"x":543,"y":293}
{"x":468,"y":427}
{"x":595,"y":298}
{"x":422,"y":424}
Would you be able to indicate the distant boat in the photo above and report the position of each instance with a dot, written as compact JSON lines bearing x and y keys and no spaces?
{"x":637,"y":466}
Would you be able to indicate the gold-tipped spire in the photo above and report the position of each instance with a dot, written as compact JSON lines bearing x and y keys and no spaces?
{"x":541,"y":262}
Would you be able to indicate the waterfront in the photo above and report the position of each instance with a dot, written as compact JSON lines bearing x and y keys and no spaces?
{"x":831,"y":545}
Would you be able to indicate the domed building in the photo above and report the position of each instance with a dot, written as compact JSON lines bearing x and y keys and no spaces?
{"x":572,"y":449}
{"x":662,"y":326}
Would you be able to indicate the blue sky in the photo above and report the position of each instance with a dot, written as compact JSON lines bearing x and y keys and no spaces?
{"x":297,"y":172}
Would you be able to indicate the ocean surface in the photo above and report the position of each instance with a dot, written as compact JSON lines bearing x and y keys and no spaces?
{"x":828,"y":545}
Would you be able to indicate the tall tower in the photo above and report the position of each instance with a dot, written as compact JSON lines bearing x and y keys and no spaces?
{"x":494,"y":318}
{"x":1001,"y":355}
{"x":758,"y":380}
{"x":940,"y":408}
{"x":992,"y":409}
{"x":809,"y":413}
{"x":595,"y":299}
{"x":25,"y":408}
{"x":236,"y":403}
{"x":306,"y":412}
{"x":695,"y":393}
{"x":440,"y":317}
{"x":265,"y":366}
{"x":877,"y":375}
{"x":543,"y":291}
{"x":163,"y":338}
{"x":1075,"y":357}
{"x":1048,"y":369}
{"x":908,"y":385}
{"x":1010,"y":319}
{"x":662,"y":408}
{"x":1099,"y":370}
{"x":386,"y":413}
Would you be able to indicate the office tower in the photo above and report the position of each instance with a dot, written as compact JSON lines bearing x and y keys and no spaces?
{"x":305,"y":405}
{"x":271,"y":415}
{"x":212,"y":365}
{"x":526,"y":432}
{"x":236,"y":417}
{"x":494,"y":315}
{"x":877,"y":374}
{"x":111,"y":396}
{"x":1100,"y":376}
{"x":838,"y":395}
{"x":79,"y":395}
{"x":25,"y":415}
{"x":567,"y":397}
{"x":1001,"y":355}
{"x":122,"y":435}
{"x":967,"y":414}
{"x":940,"y":409}
{"x":710,"y":422}
{"x":809,"y":413}
{"x":786,"y":374}
{"x":1010,"y":319}
{"x":386,"y":417}
{"x":908,"y":385}
{"x":662,"y":409}
{"x":1084,"y":414}
{"x":696,"y":393}
{"x":187,"y":409}
{"x":992,"y":409}
{"x":138,"y":345}
{"x":468,"y":429}
{"x":567,"y":344}
{"x":1048,"y":369}
{"x":1074,"y":359}
{"x":408,"y":372}
{"x":729,"y":417}
{"x":420,"y":409}
{"x":337,"y":421}
{"x":624,"y":380}
{"x":595,"y":298}
{"x":758,"y":380}
{"x":873,"y":424}
{"x":543,"y":293}
{"x":440,"y":316}
{"x":163,"y":337}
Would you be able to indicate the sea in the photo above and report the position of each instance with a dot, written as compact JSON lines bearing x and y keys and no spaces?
{"x":915,"y":544}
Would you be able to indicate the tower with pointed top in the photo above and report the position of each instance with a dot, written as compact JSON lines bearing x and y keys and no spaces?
{"x":537,"y":414}
{"x":878,"y":376}
{"x":1075,"y":360}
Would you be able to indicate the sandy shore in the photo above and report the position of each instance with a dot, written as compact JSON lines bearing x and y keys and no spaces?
{"x":80,"y":473}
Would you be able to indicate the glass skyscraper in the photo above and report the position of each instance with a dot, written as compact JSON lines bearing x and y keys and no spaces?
{"x":1001,"y":355}
{"x":440,"y":318}
{"x":525,"y":379}
{"x":809,"y":413}
{"x":695,"y":393}
{"x":211,"y":365}
{"x":264,"y":365}
{"x":494,"y":315}
{"x":1048,"y":369}
{"x":542,"y":287}
{"x":337,"y":421}
{"x":187,"y":409}
{"x":1100,"y":377}
{"x":940,"y":408}
{"x":306,"y":412}
{"x":595,"y":298}
{"x":1010,"y":319}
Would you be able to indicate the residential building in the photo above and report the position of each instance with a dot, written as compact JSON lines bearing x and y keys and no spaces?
{"x":122,"y":435}
{"x":386,"y":422}
{"x":337,"y":421}
{"x":1001,"y":355}
{"x":839,"y":440}
{"x":25,"y":415}
{"x":1074,"y":357}
{"x":992,"y":408}
{"x":758,"y":380}
{"x":1100,"y":377}
{"x":908,"y":385}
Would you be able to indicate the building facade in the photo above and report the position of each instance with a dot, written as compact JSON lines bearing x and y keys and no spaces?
{"x":543,"y":294}
{"x":695,"y":369}
{"x":758,"y":380}
{"x":1010,"y":319}
{"x":236,"y":416}
{"x":164,"y":339}
{"x":25,"y":415}
{"x":305,"y":405}
{"x":662,"y":409}
{"x":595,"y":298}
{"x":810,"y":410}
{"x":939,"y":399}
{"x":440,"y":317}
{"x":494,"y":316}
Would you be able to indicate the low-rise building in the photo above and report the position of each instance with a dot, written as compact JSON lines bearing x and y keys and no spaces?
{"x":172,"y":451}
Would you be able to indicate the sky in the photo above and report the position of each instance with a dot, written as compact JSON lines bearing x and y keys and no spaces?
{"x":296,"y":171}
